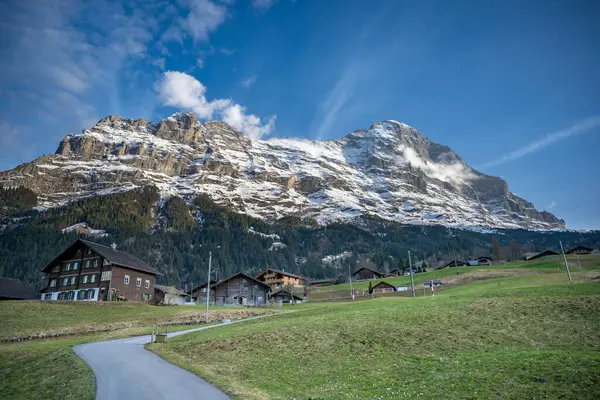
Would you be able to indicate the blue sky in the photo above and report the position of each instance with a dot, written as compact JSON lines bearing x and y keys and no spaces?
{"x":512,"y":86}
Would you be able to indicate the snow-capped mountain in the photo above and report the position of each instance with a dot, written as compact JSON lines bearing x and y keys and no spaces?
{"x":389,"y":170}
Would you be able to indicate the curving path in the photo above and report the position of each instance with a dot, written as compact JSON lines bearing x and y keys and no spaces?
{"x":124,"y":369}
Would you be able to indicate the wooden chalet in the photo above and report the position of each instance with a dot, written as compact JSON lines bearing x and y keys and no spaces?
{"x":580,"y":250}
{"x":241,"y":290}
{"x":364,"y":273}
{"x":455,"y":263}
{"x":323,"y":282}
{"x":484,"y":261}
{"x":199,"y":292}
{"x":277,"y":279}
{"x":542,"y":254}
{"x":90,"y":271}
{"x":14,"y":289}
{"x":284,"y":296}
{"x":383,"y":287}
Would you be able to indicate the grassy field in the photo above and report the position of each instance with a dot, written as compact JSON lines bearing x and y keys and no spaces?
{"x":49,"y":369}
{"x":589,"y":263}
{"x":40,"y":319}
{"x":534,"y":336}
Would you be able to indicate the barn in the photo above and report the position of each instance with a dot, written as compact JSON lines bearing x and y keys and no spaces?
{"x":383,"y":287}
{"x":364,"y":273}
{"x":580,"y":250}
{"x":241,"y":290}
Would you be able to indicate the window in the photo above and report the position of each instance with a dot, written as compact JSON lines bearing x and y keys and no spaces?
{"x":204,"y":290}
{"x":48,"y":296}
{"x":81,"y":295}
{"x":93,"y":278}
{"x":126,"y":280}
{"x":67,"y":266}
{"x":56,"y":268}
{"x":94,"y":263}
{"x":106,"y":276}
{"x":53,"y":283}
{"x":84,"y":279}
{"x":86,"y":264}
{"x":147,"y":284}
{"x":65,"y":281}
{"x":91,"y":293}
{"x":138,"y":282}
{"x":73,"y":280}
{"x":75,"y":265}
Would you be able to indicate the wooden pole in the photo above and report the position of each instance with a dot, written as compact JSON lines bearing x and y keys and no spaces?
{"x":412,"y":283}
{"x":566,"y":263}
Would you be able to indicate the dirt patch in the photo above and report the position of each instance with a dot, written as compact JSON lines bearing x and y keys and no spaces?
{"x":191,"y":318}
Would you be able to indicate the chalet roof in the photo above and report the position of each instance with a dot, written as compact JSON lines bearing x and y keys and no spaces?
{"x":113,"y":256}
{"x":170,"y":290}
{"x":459,"y":263}
{"x":323,"y":280}
{"x":368,"y":269}
{"x":212,"y":282}
{"x":15,"y":289}
{"x":278,"y":272}
{"x":542,"y":254}
{"x":579,"y":248}
{"x":242,"y":275}
{"x":484,"y":258}
{"x":283,"y":291}
{"x":383,"y":284}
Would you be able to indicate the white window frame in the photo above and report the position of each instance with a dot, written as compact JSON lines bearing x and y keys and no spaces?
{"x":95,"y":263}
{"x":48,"y":296}
{"x":67,"y":266}
{"x":126,"y":279}
{"x":92,"y":278}
{"x":147,"y":284}
{"x":52,"y":282}
{"x":73,"y":280}
{"x":75,"y":265}
{"x":65,"y":281}
{"x":138,"y":282}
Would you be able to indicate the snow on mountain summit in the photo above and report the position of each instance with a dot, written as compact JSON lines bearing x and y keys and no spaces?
{"x":389,"y":170}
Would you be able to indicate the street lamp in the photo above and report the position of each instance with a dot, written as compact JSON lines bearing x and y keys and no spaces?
{"x":208,"y":282}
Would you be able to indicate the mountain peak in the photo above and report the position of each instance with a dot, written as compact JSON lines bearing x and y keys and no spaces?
{"x":389,"y":170}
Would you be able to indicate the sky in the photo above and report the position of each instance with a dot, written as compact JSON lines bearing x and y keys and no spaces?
{"x":512,"y":86}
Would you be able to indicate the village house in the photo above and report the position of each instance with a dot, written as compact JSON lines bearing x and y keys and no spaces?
{"x":322,"y":282}
{"x":580,"y":250}
{"x":542,"y":254}
{"x":90,"y":271}
{"x":199,"y":292}
{"x":383,"y":287}
{"x":14,"y":289}
{"x":457,"y":263}
{"x":277,"y":279}
{"x":484,"y":261}
{"x":169,"y":295}
{"x":284,"y":296}
{"x":242,"y":290}
{"x":364,"y":273}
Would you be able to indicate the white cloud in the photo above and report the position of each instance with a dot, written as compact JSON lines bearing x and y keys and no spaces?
{"x":263,"y":5}
{"x":159,"y":62}
{"x":455,"y":173}
{"x":335,"y":100}
{"x":552,"y":204}
{"x":180,"y":90}
{"x":203,"y":17}
{"x":227,"y":52}
{"x":248,"y":82}
{"x":549,"y":139}
{"x":200,"y":62}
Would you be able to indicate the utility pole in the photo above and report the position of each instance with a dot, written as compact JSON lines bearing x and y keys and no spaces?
{"x":208,"y":284}
{"x":350,"y":278}
{"x":566,"y":263}
{"x":412,"y":282}
{"x":579,"y":263}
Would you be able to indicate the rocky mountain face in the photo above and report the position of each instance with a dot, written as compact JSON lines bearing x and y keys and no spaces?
{"x":389,"y":170}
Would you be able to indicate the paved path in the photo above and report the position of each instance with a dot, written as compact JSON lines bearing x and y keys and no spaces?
{"x":125,"y":370}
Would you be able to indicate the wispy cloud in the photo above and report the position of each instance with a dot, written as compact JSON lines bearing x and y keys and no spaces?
{"x":227,"y":52}
{"x":177,"y":89}
{"x":249,"y":81}
{"x":263,"y":5}
{"x":549,"y":139}
{"x":552,"y":204}
{"x":337,"y":97}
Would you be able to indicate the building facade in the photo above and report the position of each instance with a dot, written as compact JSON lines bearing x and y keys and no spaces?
{"x":241,"y":290}
{"x":363,"y":274}
{"x":88,"y":271}
{"x":278,"y":279}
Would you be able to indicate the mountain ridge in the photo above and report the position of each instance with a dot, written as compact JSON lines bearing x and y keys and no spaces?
{"x":389,"y":170}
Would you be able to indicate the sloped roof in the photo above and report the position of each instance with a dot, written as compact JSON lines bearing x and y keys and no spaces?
{"x":368,"y":269}
{"x":283,"y":291}
{"x":278,"y":272}
{"x":383,"y":284}
{"x":459,"y":263}
{"x":243,"y":275}
{"x":542,"y":254}
{"x":212,"y":282}
{"x":579,"y":248}
{"x":170,"y":290}
{"x":15,"y":289}
{"x":114,"y":256}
